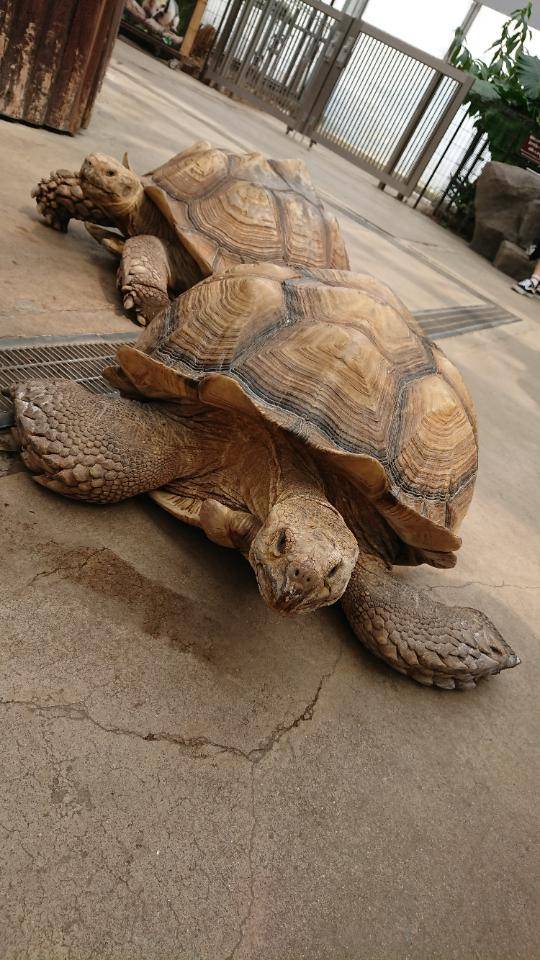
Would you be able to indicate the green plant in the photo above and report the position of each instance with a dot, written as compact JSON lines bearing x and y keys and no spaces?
{"x":504,"y":99}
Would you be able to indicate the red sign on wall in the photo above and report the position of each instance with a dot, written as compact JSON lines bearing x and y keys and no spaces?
{"x":530,"y":148}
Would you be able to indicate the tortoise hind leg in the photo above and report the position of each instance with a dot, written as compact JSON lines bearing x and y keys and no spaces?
{"x":90,"y":447}
{"x":433,"y":643}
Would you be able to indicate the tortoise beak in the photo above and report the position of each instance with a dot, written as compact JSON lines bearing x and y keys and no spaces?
{"x":286,"y":595}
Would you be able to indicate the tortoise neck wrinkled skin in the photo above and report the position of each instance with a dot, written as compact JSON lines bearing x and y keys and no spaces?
{"x":145,"y":218}
{"x":224,"y":450}
{"x":300,"y":548}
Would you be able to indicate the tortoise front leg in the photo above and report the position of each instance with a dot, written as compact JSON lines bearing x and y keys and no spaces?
{"x":60,"y":198}
{"x":90,"y":447}
{"x":145,"y":276}
{"x":435,"y":644}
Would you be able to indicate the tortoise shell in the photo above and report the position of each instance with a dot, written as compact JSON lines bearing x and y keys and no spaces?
{"x":337,"y":360}
{"x":227,"y":208}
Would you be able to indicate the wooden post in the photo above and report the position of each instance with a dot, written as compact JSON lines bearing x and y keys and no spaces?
{"x":54,"y":56}
{"x":193,"y":27}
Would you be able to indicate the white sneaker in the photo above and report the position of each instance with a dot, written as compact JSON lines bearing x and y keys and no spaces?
{"x":529,"y":287}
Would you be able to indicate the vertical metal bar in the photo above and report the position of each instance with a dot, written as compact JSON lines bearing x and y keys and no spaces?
{"x":272,"y":62}
{"x":411,"y":75}
{"x":291,"y":41}
{"x":298,"y":67}
{"x":294,"y":70}
{"x":383,"y":63}
{"x":412,"y":124}
{"x":468,"y":153}
{"x":267,"y":27}
{"x":389,"y":67}
{"x":439,"y":161}
{"x":439,"y":131}
{"x":224,"y":32}
{"x":252,"y":45}
{"x":325,"y":78}
{"x":465,"y":25}
{"x":235,"y":36}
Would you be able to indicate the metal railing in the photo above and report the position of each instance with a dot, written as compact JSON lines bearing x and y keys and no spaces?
{"x":389,"y":107}
{"x":374,"y":99}
{"x":267,"y":51}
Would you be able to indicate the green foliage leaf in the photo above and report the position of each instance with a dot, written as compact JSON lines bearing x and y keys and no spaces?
{"x":485,"y":91}
{"x":528,"y":70}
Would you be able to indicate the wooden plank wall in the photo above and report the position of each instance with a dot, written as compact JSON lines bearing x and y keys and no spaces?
{"x":53,"y":55}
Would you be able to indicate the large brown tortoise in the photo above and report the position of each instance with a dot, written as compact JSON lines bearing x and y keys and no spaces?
{"x":299,"y":416}
{"x":204,"y":210}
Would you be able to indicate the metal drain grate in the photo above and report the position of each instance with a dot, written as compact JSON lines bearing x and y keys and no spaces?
{"x":81,"y":358}
{"x":451,"y":321}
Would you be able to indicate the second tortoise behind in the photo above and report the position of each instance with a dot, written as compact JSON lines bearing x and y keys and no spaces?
{"x":202,"y":211}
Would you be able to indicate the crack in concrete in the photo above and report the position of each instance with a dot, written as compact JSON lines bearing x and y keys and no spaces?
{"x":62,"y":566}
{"x":79,"y":712}
{"x":270,"y":743}
{"x":247,"y":917}
{"x":480,"y":583}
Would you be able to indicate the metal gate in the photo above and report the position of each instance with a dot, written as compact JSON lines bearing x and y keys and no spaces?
{"x":371,"y":98}
{"x":270,"y":52}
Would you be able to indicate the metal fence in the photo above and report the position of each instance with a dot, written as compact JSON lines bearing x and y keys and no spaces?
{"x":267,"y":52}
{"x":213,"y":12}
{"x":389,"y":108}
{"x":379,"y":102}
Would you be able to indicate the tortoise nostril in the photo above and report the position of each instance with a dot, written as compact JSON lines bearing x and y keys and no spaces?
{"x":296,"y":572}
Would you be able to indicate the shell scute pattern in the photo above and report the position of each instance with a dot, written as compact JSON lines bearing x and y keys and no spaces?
{"x":330,"y":357}
{"x":230,"y":209}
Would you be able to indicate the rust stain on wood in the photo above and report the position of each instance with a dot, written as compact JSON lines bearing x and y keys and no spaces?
{"x":53,"y":55}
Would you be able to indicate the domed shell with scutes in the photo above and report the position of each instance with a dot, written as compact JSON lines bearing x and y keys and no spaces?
{"x":337,"y":360}
{"x":228,"y":209}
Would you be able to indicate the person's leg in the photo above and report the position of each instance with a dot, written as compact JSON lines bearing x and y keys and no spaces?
{"x":530,"y":287}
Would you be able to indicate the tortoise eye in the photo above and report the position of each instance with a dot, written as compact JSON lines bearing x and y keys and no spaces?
{"x":281,"y":541}
{"x":111,"y":173}
{"x":335,"y":568}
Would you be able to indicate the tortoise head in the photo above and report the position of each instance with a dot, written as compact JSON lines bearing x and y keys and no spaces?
{"x":110,"y":184}
{"x":303,"y":555}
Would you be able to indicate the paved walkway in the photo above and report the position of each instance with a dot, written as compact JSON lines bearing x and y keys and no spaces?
{"x":185,"y":775}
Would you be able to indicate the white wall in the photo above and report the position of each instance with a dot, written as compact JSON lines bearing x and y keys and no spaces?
{"x":508,"y":6}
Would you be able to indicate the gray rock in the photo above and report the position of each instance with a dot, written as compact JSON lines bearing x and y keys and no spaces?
{"x":507,"y":207}
{"x":513,"y":261}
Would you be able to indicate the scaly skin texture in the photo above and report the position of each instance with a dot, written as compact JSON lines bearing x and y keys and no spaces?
{"x":66,"y":441}
{"x":148,"y":270}
{"x":437,"y":645}
{"x":60,"y":198}
{"x":150,"y":267}
{"x":104,"y":449}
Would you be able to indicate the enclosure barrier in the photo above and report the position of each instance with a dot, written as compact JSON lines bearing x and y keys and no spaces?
{"x":370,"y":97}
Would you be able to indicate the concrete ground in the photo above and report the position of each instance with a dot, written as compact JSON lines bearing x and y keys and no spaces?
{"x":187,"y":776}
